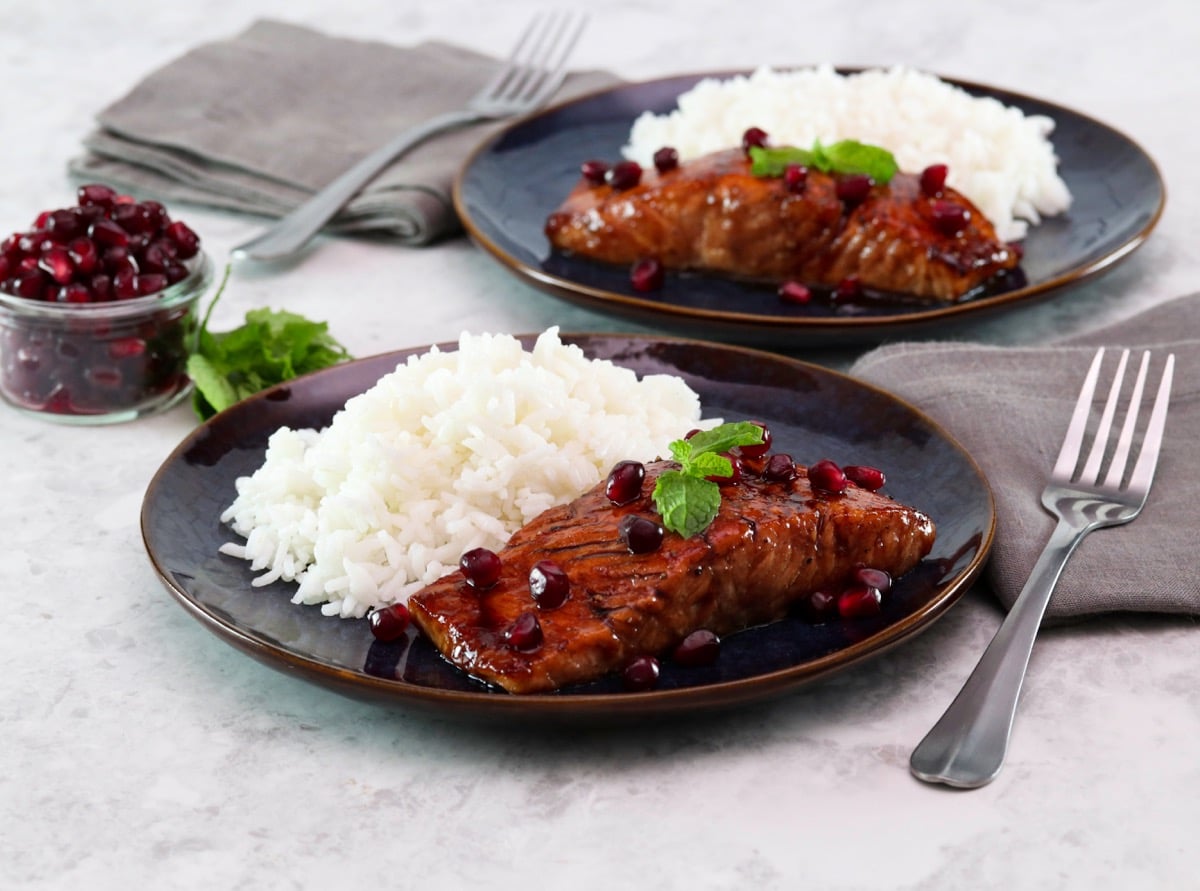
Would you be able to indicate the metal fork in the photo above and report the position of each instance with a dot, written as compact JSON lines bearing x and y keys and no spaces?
{"x":532,"y":74}
{"x":966,"y":748}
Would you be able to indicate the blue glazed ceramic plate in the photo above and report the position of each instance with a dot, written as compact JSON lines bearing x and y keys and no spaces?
{"x":813,"y":413}
{"x":517,"y":178}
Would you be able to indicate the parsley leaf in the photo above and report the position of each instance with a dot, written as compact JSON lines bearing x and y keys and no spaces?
{"x":687,"y":500}
{"x":844,"y":156}
{"x":270,"y":347}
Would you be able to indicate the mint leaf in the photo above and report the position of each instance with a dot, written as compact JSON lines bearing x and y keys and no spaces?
{"x":211,"y":385}
{"x":687,"y":503}
{"x":687,"y":500}
{"x":844,"y":156}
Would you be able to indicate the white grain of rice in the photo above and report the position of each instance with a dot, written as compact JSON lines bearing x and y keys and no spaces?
{"x":997,"y":156}
{"x":451,"y":451}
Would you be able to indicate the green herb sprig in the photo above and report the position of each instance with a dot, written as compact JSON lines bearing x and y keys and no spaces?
{"x":846,"y":156}
{"x":272,"y":346}
{"x":687,"y":500}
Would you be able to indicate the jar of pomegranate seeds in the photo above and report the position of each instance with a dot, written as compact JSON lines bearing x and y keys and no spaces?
{"x":101,"y":362}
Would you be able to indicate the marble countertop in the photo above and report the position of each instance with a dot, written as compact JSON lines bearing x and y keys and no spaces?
{"x":141,"y":751}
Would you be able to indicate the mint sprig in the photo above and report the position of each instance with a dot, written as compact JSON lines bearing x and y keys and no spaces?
{"x":687,"y":500}
{"x":270,"y":347}
{"x":845,"y":156}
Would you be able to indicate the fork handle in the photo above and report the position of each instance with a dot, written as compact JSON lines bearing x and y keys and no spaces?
{"x":296,"y":229}
{"x":966,"y":748}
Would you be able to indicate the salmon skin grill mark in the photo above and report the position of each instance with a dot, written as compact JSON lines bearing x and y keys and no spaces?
{"x":771,"y":544}
{"x":711,"y":214}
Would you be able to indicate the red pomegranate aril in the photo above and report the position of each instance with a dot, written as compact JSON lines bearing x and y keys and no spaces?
{"x":125,"y":284}
{"x":127,"y":348}
{"x":84,"y":256}
{"x":647,"y":275}
{"x":151,"y":283}
{"x":640,"y":535}
{"x":132,"y":218}
{"x":754,"y":137}
{"x":56,"y":262}
{"x":819,"y":606}
{"x":759,"y":449}
{"x":594,"y":172}
{"x":63,"y":225}
{"x":624,"y":482}
{"x":186,"y":241}
{"x":698,"y":648}
{"x":525,"y":633}
{"x":933,"y":179}
{"x":869,"y":478}
{"x":29,"y":284}
{"x":794,"y":292}
{"x":950,"y":218}
{"x":737,"y":470}
{"x":390,"y":623}
{"x":96,"y":194}
{"x":108,"y":234}
{"x":74,"y":293}
{"x":827,"y":477}
{"x":624,"y":175}
{"x":849,"y":288}
{"x":854,"y":189}
{"x":859,"y":601}
{"x":641,"y":674}
{"x":175,"y":272}
{"x":665,"y":159}
{"x":481,"y":567}
{"x":780,"y":468}
{"x":795,"y":178}
{"x":873,"y":578}
{"x":548,"y":584}
{"x":101,"y":287}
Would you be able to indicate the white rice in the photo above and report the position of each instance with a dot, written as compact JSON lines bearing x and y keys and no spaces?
{"x":451,"y":451}
{"x":997,"y":156}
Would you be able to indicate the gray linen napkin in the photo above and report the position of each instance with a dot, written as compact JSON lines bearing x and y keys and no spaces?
{"x":259,"y":122}
{"x":1009,"y":408}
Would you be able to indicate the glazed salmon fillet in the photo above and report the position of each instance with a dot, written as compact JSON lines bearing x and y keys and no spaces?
{"x":771,"y":544}
{"x":712,"y":214}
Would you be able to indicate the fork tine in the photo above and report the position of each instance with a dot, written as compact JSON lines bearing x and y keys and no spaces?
{"x":1143,"y":471}
{"x":511,"y":64}
{"x":1091,"y":471}
{"x":1068,"y":455}
{"x":548,"y":76}
{"x":1116,"y":470}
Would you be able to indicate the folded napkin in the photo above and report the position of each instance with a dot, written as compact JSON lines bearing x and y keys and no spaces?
{"x":259,"y":122}
{"x":1009,"y":407}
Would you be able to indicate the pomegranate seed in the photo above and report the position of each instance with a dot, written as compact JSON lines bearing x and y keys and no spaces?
{"x":641,"y":674}
{"x":795,"y":178}
{"x":624,"y":175}
{"x":933,"y":179}
{"x":29,"y":285}
{"x":698,"y":648}
{"x":859,"y":601}
{"x":737,"y":470}
{"x":57,"y":263}
{"x":950,"y":218}
{"x":151,"y":283}
{"x":525,"y":633}
{"x":818,"y":606}
{"x":848,"y":288}
{"x":625,"y":482}
{"x":101,"y":287}
{"x":854,"y":189}
{"x":794,"y":292}
{"x":125,"y":284}
{"x":869,"y":478}
{"x":95,"y":194}
{"x":481,"y":567}
{"x":127,"y":348}
{"x":754,"y":137}
{"x":63,"y":225}
{"x":647,"y":275}
{"x":780,"y":468}
{"x":873,"y":578}
{"x":187,"y":242}
{"x":548,"y":584}
{"x":84,"y":256}
{"x":105,"y":378}
{"x":594,"y":172}
{"x":666,"y":158}
{"x":389,"y":623}
{"x":42,"y":220}
{"x":757,"y":451}
{"x":108,"y":234}
{"x":175,"y":272}
{"x":640,"y":535}
{"x":827,"y":476}
{"x":74,"y":293}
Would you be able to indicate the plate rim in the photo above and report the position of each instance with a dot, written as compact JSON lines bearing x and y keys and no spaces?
{"x":568,"y":707}
{"x":641,"y":308}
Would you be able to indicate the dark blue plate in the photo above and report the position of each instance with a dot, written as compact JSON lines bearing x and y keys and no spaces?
{"x":813,"y":413}
{"x":517,"y":178}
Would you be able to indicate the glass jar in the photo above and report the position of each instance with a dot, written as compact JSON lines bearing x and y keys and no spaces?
{"x":101,"y":363}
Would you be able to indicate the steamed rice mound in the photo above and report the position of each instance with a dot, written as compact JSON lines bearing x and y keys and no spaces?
{"x":451,"y":451}
{"x":999,"y":157}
